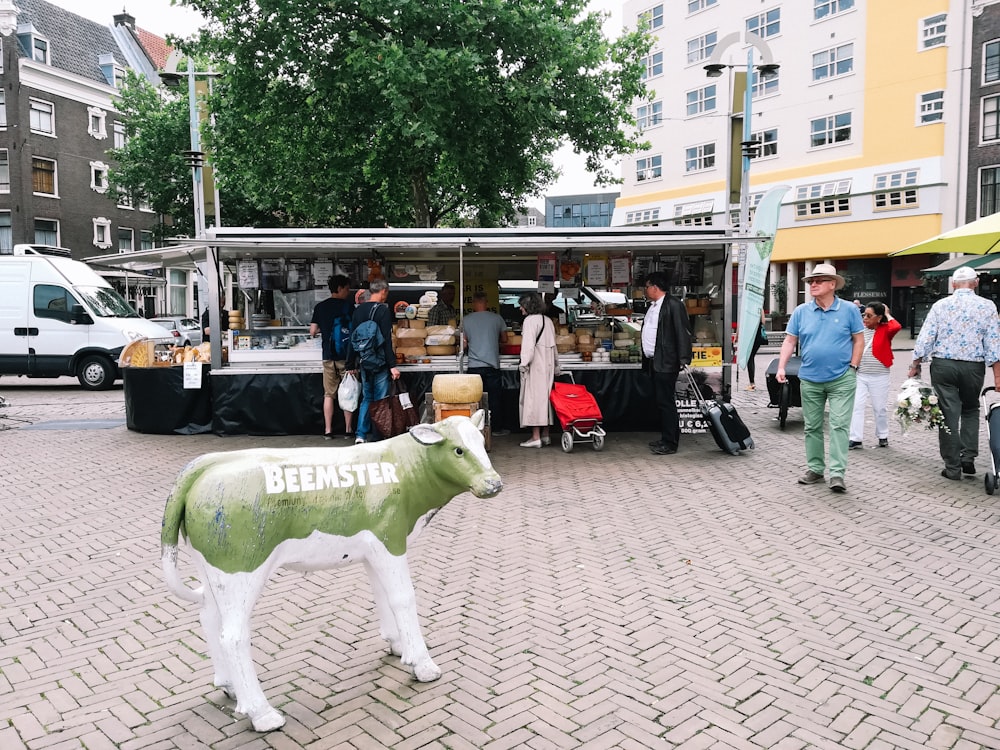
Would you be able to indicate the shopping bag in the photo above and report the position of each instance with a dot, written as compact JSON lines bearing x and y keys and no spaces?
{"x":394,"y":414}
{"x":349,"y":392}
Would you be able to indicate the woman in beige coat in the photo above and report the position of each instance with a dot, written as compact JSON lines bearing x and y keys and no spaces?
{"x":539,"y":366}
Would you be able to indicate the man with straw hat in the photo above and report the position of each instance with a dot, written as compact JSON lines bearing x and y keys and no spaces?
{"x":830,"y":336}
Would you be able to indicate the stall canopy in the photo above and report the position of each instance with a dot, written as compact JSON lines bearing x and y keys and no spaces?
{"x":947,"y":268}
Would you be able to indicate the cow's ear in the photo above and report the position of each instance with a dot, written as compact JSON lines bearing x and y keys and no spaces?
{"x":425,"y":434}
{"x":479,"y":418}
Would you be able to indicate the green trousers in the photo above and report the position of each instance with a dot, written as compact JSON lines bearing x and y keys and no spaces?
{"x":839,"y":396}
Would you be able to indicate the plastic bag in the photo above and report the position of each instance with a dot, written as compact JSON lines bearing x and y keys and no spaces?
{"x":349,"y":392}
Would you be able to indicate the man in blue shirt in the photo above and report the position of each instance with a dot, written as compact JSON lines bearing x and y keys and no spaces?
{"x":830,"y":337}
{"x":960,"y":335}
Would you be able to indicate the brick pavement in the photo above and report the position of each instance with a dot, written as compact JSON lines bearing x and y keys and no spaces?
{"x":603,"y":600}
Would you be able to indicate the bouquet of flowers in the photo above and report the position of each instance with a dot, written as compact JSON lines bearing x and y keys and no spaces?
{"x":917,"y":404}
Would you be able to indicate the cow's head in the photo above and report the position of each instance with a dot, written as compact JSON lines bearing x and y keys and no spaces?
{"x":465,"y":458}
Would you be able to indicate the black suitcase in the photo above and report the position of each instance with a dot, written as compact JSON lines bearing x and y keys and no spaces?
{"x":725,"y":424}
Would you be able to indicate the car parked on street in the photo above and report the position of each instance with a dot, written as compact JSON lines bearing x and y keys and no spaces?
{"x":186,"y":331}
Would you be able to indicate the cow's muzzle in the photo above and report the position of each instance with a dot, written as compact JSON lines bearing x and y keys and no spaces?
{"x":489,"y":488}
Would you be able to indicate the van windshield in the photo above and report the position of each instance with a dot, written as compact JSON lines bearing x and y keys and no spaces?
{"x":105,"y":302}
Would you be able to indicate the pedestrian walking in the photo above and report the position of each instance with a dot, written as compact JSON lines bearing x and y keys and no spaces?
{"x":828,"y":333}
{"x":960,"y":336}
{"x":873,"y":374}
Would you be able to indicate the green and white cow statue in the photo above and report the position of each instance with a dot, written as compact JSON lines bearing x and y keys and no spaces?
{"x":249,"y":512}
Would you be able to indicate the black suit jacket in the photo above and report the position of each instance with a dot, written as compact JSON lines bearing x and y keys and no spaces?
{"x":673,"y":338}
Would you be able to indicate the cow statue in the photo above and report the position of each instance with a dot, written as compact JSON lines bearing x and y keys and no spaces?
{"x":249,"y":512}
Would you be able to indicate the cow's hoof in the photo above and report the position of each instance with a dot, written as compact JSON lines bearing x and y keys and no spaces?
{"x":267,"y":721}
{"x":427,"y":671}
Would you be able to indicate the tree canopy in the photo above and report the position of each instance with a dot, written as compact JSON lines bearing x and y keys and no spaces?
{"x":412,"y":112}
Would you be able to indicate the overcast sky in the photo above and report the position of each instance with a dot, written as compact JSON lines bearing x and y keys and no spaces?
{"x":160,"y":17}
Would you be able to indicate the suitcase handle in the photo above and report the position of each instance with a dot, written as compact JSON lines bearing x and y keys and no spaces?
{"x":702,"y":401}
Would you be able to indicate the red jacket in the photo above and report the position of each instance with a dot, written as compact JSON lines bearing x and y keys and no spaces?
{"x":882,"y":341}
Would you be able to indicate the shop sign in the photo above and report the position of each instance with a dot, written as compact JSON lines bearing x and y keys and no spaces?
{"x":690,"y":418}
{"x":706,"y":356}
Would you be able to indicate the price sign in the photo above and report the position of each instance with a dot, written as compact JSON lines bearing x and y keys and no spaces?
{"x":248,"y":274}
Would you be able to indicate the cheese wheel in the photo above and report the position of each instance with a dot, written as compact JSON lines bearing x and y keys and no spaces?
{"x":439,"y":351}
{"x":457,"y":389}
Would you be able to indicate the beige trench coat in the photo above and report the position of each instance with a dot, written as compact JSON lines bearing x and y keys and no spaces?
{"x":539,"y":366}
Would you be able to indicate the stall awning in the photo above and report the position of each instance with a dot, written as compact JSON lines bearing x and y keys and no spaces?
{"x":948,"y":267}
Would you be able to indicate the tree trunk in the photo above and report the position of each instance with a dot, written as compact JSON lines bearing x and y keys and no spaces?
{"x":421,"y":207}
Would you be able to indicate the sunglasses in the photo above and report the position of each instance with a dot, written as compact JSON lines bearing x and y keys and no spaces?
{"x":819,"y":281}
{"x":868,"y":315}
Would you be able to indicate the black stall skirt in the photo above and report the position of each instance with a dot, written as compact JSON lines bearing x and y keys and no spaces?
{"x":157,"y":402}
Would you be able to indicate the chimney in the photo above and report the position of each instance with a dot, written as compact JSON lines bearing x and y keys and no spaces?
{"x":124,"y":19}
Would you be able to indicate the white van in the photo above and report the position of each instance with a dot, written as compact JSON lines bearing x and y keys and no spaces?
{"x":58,"y":317}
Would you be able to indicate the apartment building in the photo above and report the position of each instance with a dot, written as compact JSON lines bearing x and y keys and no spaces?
{"x":865,"y":120}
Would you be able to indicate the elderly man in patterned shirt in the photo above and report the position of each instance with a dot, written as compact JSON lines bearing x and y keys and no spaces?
{"x":961,"y":335}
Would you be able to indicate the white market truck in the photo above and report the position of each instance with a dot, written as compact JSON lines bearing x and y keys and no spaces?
{"x":58,"y":317}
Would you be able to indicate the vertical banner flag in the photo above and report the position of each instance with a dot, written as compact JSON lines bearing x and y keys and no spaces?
{"x":758,"y":257}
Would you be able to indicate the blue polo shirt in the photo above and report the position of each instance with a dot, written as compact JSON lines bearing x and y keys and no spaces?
{"x":825,"y":342}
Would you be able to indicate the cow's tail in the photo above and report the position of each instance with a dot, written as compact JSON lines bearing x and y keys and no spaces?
{"x":170,"y":533}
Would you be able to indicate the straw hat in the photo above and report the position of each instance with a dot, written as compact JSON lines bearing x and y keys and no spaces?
{"x":826,"y":269}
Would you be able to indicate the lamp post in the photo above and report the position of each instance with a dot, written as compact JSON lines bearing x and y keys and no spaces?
{"x":748,"y":148}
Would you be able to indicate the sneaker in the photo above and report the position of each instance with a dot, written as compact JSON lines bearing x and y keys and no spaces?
{"x":810,"y":477}
{"x":359,"y":441}
{"x":837,"y":484}
{"x":883,"y":442}
{"x":854,"y":444}
{"x":968,"y":467}
{"x":500,"y":433}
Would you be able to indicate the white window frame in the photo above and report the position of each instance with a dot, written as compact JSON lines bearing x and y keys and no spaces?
{"x":991,"y":74}
{"x":930,"y":107}
{"x":131,"y":233}
{"x":989,"y":117}
{"x":696,"y":6}
{"x":826,"y":63}
{"x":144,"y":205}
{"x":38,"y":107}
{"x":653,"y":16}
{"x":701,"y":101}
{"x":700,"y":158}
{"x":933,"y":31}
{"x":3,"y":107}
{"x":97,"y":123}
{"x":34,"y":230}
{"x":701,"y":47}
{"x":762,"y":24}
{"x":823,"y":9}
{"x":768,"y":146}
{"x":830,"y":130}
{"x":823,"y":199}
{"x":55,"y":177}
{"x":99,"y":176}
{"x":649,"y":168}
{"x":895,"y":190}
{"x":6,"y":231}
{"x":40,"y":44}
{"x":119,"y":138}
{"x":694,"y":214}
{"x":643,"y":216}
{"x":649,"y":115}
{"x":531,"y":221}
{"x":4,"y":170}
{"x":764,"y":84}
{"x":148,"y":233}
{"x":995,"y":204}
{"x":654,"y":65}
{"x":125,"y":202}
{"x":102,"y":233}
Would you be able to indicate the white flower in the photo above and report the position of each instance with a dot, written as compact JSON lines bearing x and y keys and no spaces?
{"x":932,"y":399}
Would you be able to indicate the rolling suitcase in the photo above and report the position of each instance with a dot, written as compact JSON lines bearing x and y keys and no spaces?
{"x":729,"y":431}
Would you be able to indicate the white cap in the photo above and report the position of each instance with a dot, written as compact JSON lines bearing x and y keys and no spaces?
{"x":964,"y":274}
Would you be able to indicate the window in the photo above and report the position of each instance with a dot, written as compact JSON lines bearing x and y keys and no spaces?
{"x":652,"y":18}
{"x":649,"y":168}
{"x":695,"y":5}
{"x":119,"y":134}
{"x":828,"y":131}
{"x":768,"y":142}
{"x":46,"y":232}
{"x":989,"y":190}
{"x":42,"y":117}
{"x":933,"y":31}
{"x":96,"y":118}
{"x":4,"y":171}
{"x":642,"y":217}
{"x":125,"y":201}
{"x":39,"y":50}
{"x":825,"y":8}
{"x":3,"y":108}
{"x":991,"y":118}
{"x":930,"y":107}
{"x":702,"y":47}
{"x":43,"y":176}
{"x":700,"y":101}
{"x":991,"y":62}
{"x":700,"y":157}
{"x":696,"y":214}
{"x":146,"y":238}
{"x":6,"y":233}
{"x":763,"y":84}
{"x":649,"y":115}
{"x":102,"y":233}
{"x":531,"y":222}
{"x":830,"y":63}
{"x":823,"y":199}
{"x":52,"y":301}
{"x":119,"y":73}
{"x":895,"y":190}
{"x":654,"y":65}
{"x":126,"y":240}
{"x":144,"y":205}
{"x":99,"y":176}
{"x":765,"y":24}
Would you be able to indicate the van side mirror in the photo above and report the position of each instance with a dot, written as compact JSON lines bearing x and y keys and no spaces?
{"x":81,"y":316}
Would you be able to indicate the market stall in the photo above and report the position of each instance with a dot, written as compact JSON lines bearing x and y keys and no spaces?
{"x":270,"y":381}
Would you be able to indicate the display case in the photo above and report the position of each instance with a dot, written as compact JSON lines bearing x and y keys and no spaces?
{"x":269,"y":344}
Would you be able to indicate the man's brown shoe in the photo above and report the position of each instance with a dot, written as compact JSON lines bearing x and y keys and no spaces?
{"x":810,"y":477}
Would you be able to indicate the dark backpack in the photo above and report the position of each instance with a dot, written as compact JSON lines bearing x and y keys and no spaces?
{"x":341,"y":333}
{"x":369,"y":344}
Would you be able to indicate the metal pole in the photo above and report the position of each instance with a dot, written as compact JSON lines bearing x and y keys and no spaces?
{"x":196,"y":182}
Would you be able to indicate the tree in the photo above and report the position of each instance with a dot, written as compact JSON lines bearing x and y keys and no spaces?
{"x":414,"y":112}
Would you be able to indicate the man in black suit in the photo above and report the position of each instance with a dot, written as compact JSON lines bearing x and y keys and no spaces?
{"x":666,"y":347}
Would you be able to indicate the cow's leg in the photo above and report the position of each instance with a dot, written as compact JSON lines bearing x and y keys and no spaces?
{"x":210,"y":623}
{"x":235,"y":594}
{"x":387,"y":621}
{"x":393,"y":575}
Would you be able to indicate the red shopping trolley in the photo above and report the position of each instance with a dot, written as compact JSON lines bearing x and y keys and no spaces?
{"x":578,"y":414}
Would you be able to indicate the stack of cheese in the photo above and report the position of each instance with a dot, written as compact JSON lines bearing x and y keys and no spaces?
{"x":623,"y":339}
{"x":236,"y":322}
{"x":408,"y":338}
{"x":585,"y":341}
{"x":441,"y":340}
{"x":565,"y":341}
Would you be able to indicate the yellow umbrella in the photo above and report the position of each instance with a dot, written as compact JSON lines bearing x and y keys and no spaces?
{"x":980,"y":237}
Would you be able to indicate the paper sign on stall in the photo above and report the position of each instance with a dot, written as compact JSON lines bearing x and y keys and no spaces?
{"x":248,"y":274}
{"x":597,"y":271}
{"x":322,"y":271}
{"x":192,"y":375}
{"x":547,"y":272}
{"x":621,"y":270}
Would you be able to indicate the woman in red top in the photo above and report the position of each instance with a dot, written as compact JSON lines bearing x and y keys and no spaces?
{"x":873,"y":374}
